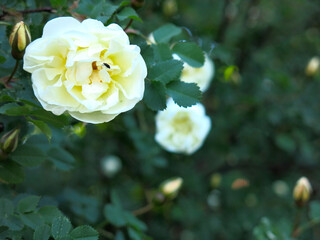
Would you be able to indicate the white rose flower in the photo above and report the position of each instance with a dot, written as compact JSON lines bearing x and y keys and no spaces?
{"x":86,"y":69}
{"x":202,"y":76}
{"x":182,"y":130}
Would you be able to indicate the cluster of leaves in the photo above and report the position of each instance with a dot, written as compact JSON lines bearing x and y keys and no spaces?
{"x":164,"y":72}
{"x":264,"y":109}
{"x":22,"y":217}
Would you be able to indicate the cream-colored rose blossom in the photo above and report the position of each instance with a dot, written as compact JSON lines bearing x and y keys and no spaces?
{"x":202,"y":76}
{"x":182,"y":130}
{"x":86,"y":69}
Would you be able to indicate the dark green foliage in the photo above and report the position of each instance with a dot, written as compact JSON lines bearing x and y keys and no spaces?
{"x":265,"y":114}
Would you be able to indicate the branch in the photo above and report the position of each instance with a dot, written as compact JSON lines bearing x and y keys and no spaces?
{"x":27,"y":11}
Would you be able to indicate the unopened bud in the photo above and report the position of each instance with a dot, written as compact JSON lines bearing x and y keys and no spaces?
{"x":302,"y":191}
{"x":171,"y":187}
{"x":19,"y":39}
{"x":137,"y":3}
{"x":79,"y":129}
{"x":170,"y":7}
{"x":313,"y":66}
{"x":9,"y":141}
{"x":215,"y":180}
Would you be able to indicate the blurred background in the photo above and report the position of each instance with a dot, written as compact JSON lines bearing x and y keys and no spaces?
{"x":265,"y":110}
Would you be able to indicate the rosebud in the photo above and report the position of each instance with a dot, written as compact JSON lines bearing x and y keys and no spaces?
{"x":302,"y":192}
{"x":9,"y":141}
{"x":313,"y":66}
{"x":171,"y":187}
{"x":19,"y":39}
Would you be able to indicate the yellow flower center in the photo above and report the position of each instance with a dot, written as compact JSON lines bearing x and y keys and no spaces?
{"x":182,"y":123}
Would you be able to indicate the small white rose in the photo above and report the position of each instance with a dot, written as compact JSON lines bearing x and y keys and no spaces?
{"x":86,"y":69}
{"x":202,"y":76}
{"x":182,"y":130}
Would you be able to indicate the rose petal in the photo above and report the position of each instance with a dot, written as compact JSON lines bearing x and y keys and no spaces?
{"x":60,"y":25}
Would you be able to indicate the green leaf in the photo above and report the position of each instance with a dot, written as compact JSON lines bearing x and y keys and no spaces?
{"x":315,"y":209}
{"x":62,"y":159}
{"x":42,"y":232}
{"x":2,"y":59}
{"x":162,"y":52}
{"x":11,"y":172}
{"x":43,"y":127}
{"x":28,"y":204}
{"x":115,"y":215}
{"x":84,"y":233}
{"x":6,"y":98}
{"x":190,"y":53}
{"x":61,"y":226}
{"x":119,"y":236}
{"x":135,"y":222}
{"x":97,"y":9}
{"x":32,"y":220}
{"x":285,"y":142}
{"x":49,"y":213}
{"x":134,"y":234}
{"x":28,"y":155}
{"x":165,"y":71}
{"x":229,"y":71}
{"x":6,"y":208}
{"x":155,"y":95}
{"x":166,"y":32}
{"x":13,"y":109}
{"x":128,"y":12}
{"x":12,"y":235}
{"x":50,"y":118}
{"x":13,"y":223}
{"x":184,"y":94}
{"x":58,"y":3}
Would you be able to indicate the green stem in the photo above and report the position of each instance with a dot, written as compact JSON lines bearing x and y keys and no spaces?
{"x":143,"y":210}
{"x":305,"y":227}
{"x":13,"y":72}
{"x":128,"y":25}
{"x":296,"y":222}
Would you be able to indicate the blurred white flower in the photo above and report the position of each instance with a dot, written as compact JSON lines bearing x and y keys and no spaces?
{"x":280,"y":188}
{"x":111,"y":165}
{"x":182,"y":130}
{"x":202,"y":76}
{"x":86,"y":69}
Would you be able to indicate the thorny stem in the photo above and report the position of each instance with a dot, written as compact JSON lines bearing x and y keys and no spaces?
{"x":305,"y":227}
{"x":128,"y":25}
{"x":296,"y":222}
{"x":44,"y":9}
{"x":13,"y":72}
